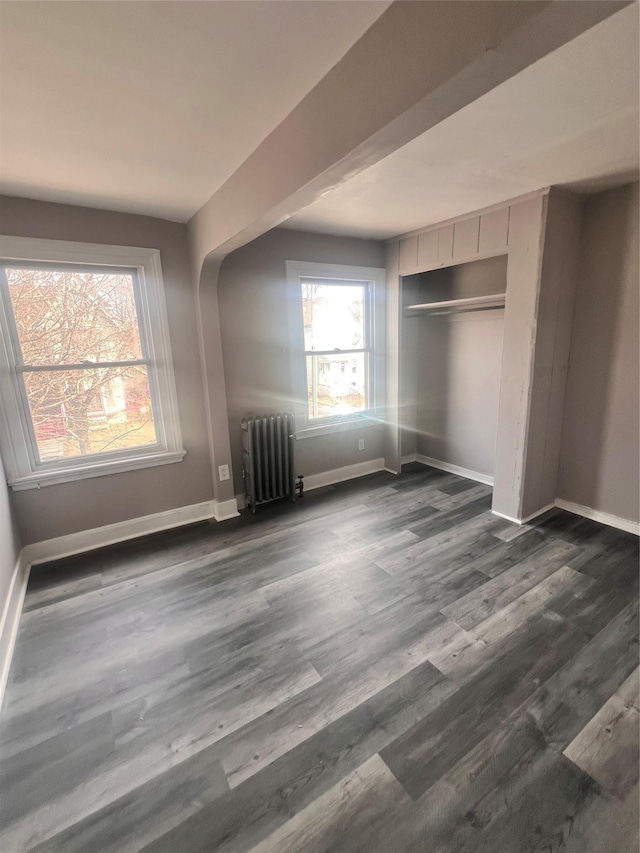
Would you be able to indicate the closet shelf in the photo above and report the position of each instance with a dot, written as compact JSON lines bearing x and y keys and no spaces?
{"x":473,"y":303}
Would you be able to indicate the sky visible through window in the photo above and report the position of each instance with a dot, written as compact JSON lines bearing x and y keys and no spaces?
{"x":335,"y":329}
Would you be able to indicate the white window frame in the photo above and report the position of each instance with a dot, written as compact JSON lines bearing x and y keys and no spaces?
{"x":374,"y":277}
{"x":17,"y":439}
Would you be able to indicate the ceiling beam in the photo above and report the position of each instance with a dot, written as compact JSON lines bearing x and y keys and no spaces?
{"x":419,"y":63}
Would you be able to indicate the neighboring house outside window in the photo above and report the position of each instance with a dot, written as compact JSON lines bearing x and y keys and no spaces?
{"x":86,"y":378}
{"x":336,"y":333}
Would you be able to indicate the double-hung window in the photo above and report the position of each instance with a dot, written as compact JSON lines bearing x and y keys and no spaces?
{"x":336,"y":338}
{"x":86,"y":378}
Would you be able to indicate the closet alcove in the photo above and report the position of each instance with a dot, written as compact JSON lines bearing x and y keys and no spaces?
{"x":451,"y":352}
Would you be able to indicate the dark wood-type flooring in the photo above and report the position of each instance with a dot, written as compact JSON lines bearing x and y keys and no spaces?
{"x":385,"y":666}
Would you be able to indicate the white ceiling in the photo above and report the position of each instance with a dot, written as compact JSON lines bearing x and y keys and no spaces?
{"x":570,"y":119}
{"x":149,"y":107}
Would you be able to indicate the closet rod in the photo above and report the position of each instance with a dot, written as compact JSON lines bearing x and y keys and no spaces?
{"x":449,"y":306}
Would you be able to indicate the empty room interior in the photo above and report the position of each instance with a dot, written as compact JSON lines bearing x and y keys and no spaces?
{"x":319,"y":426}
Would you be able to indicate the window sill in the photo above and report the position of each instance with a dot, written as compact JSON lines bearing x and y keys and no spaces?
{"x":82,"y":472}
{"x":353,"y":422}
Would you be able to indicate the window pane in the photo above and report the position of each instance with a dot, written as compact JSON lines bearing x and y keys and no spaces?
{"x":67,"y":317}
{"x":76,"y":412}
{"x":336,"y":384}
{"x":333,"y":316}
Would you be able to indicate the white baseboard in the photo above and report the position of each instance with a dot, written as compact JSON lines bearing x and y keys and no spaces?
{"x":88,"y":540}
{"x":602,"y":517}
{"x":110,"y":534}
{"x":339,"y":475}
{"x":222,"y":510}
{"x":527,"y":518}
{"x":610,"y":520}
{"x":11,"y":619}
{"x":336,"y":475}
{"x":584,"y":511}
{"x":452,"y":469}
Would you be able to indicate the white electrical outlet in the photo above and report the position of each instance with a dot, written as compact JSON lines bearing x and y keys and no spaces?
{"x":361,"y":444}
{"x":223,"y":472}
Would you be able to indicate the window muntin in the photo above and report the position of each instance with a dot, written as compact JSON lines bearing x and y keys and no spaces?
{"x":337,"y":335}
{"x":72,"y":324}
{"x":86,"y":375}
{"x":68,"y":315}
{"x":89,"y":411}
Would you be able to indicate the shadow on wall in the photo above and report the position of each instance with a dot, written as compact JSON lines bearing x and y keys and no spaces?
{"x":256,"y":342}
{"x":451,"y":367}
{"x":599,"y":461}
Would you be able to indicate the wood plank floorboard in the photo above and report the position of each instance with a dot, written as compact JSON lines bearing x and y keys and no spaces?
{"x":384,"y":666}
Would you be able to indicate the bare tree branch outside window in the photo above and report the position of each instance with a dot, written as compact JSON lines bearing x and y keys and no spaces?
{"x":70,"y":324}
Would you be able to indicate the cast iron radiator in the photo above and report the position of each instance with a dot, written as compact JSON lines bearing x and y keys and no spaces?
{"x":267,"y":454}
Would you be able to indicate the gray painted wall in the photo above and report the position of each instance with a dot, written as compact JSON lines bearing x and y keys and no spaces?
{"x":459,"y":386}
{"x":254,"y":319}
{"x":459,"y":365}
{"x":70,"y":507}
{"x":599,"y":452}
{"x":358,"y":114}
{"x":9,"y":540}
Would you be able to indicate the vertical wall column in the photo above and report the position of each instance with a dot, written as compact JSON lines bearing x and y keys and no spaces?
{"x":393,"y":348}
{"x":544,"y":238}
{"x":409,"y":360}
{"x":210,"y":344}
{"x":525,"y":245}
{"x":560,"y":263}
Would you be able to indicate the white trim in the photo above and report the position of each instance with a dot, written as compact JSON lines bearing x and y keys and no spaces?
{"x":88,"y":540}
{"x":454,"y":469}
{"x":528,"y":518}
{"x":100,"y":469}
{"x":11,"y":619}
{"x":110,"y":534}
{"x":68,"y":251}
{"x":223,"y":510}
{"x":339,"y":475}
{"x":338,"y":272}
{"x":410,"y":457}
{"x":359,"y":420}
{"x":578,"y":509}
{"x":23,"y":467}
{"x":375,"y":277}
{"x":607,"y":518}
{"x":335,"y":475}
